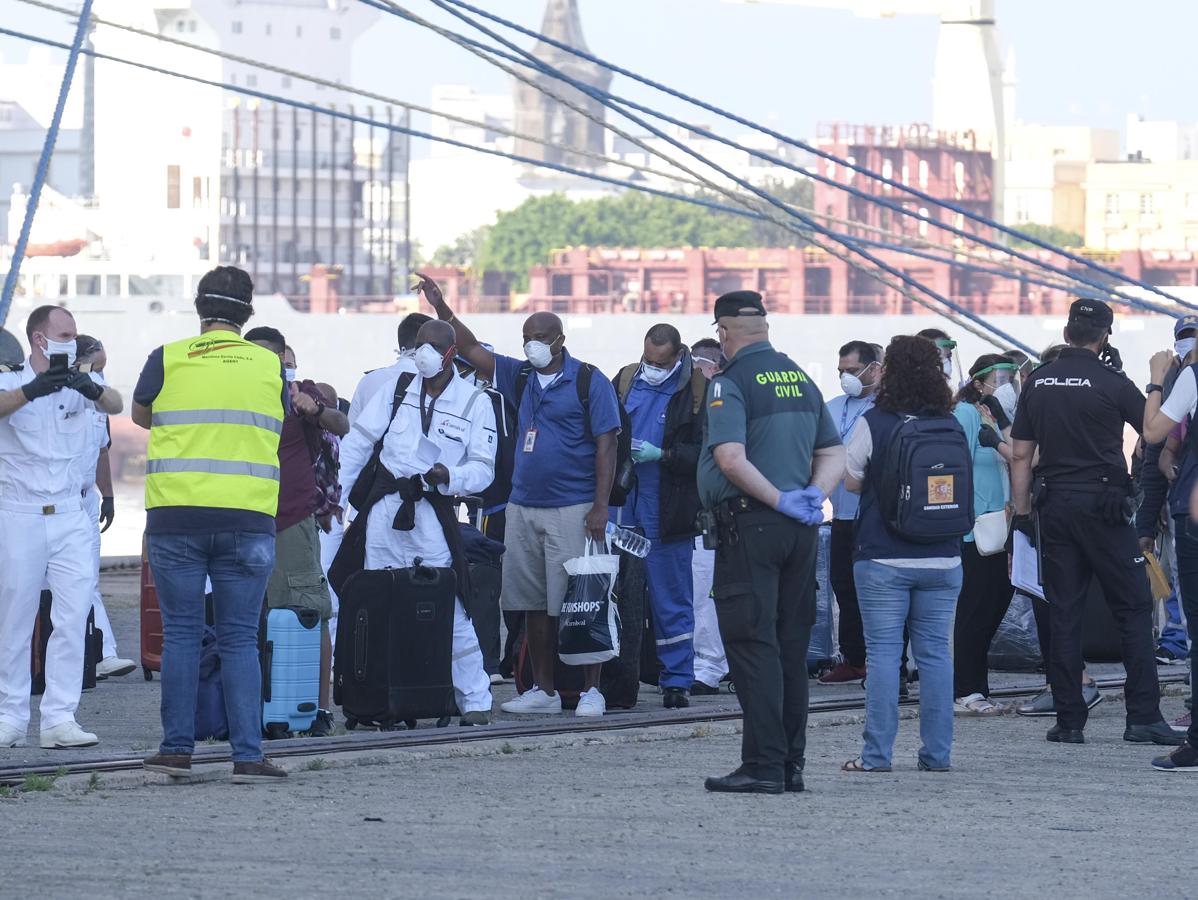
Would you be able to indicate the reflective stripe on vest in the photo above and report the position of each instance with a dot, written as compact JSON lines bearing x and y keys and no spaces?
{"x":215,"y":426}
{"x":212,"y":467}
{"x":216,"y":417}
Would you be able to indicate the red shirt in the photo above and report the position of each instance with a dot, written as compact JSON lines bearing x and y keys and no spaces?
{"x":298,"y":495}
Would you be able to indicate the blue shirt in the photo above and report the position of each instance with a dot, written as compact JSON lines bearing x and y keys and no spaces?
{"x":989,"y":473}
{"x":646,"y":406}
{"x":845,"y":411}
{"x":556,"y":467}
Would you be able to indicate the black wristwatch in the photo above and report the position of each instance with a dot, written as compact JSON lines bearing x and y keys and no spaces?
{"x":1154,"y":387}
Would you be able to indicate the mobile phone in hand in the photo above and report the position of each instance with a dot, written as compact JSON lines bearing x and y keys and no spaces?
{"x":58,"y":362}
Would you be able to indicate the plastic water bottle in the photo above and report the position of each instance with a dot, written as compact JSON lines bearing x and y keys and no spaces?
{"x":628,"y":541}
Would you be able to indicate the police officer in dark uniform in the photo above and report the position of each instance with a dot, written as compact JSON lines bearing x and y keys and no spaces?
{"x":1078,"y":509}
{"x":771,"y":454}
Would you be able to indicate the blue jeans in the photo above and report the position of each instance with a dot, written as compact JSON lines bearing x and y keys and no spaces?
{"x":239,"y":564}
{"x":923,"y":600}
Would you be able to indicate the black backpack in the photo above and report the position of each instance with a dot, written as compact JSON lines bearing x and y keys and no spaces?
{"x":505,"y":451}
{"x":625,"y":478}
{"x":925,"y":489}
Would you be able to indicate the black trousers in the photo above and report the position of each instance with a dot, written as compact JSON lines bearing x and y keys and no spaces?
{"x":764,"y":591}
{"x":1186,"y":541}
{"x":840,"y":572}
{"x":1078,"y":545}
{"x":985,"y":595}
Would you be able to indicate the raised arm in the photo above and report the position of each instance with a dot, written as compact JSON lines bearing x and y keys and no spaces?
{"x":469,"y":348}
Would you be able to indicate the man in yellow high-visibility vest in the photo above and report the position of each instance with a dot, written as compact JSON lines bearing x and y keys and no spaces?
{"x":214,"y":405}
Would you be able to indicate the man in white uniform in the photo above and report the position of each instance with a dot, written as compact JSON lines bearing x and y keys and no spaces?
{"x":443,"y":430}
{"x":46,"y":414}
{"x":96,"y":474}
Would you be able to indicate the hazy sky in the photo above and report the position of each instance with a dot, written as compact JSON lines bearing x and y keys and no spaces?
{"x":1078,"y":61}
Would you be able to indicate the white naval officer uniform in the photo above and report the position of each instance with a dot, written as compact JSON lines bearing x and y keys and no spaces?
{"x":45,"y":534}
{"x":463,"y":428}
{"x":91,"y":505}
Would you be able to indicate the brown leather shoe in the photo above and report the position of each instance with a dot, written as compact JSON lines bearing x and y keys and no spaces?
{"x":255,"y":772}
{"x":176,"y":765}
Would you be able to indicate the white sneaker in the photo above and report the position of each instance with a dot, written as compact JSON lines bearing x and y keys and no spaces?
{"x":535,"y":702}
{"x":10,"y":737}
{"x":114,"y":667}
{"x":496,"y":678}
{"x":67,"y":734}
{"x":591,"y":703}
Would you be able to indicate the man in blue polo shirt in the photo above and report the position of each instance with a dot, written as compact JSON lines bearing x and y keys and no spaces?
{"x":564,"y":469}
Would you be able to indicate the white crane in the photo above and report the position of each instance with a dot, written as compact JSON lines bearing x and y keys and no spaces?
{"x":967,"y":88}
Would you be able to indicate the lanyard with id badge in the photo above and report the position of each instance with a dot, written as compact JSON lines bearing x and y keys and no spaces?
{"x":530,"y":436}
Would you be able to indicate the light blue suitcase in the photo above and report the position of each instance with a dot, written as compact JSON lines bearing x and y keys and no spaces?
{"x":290,"y":670}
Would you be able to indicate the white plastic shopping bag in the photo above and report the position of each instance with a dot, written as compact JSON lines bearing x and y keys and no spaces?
{"x":589,"y":627}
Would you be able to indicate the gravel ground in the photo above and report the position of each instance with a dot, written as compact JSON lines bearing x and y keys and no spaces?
{"x":626,"y":816}
{"x":613,"y":815}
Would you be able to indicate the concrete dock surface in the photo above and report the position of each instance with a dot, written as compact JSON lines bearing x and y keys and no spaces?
{"x":610,"y":815}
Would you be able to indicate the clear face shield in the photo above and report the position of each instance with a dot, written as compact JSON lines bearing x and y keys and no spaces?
{"x":1002,"y":381}
{"x":950,"y":362}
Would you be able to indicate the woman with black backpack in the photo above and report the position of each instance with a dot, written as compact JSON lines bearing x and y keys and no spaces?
{"x":912,"y":464}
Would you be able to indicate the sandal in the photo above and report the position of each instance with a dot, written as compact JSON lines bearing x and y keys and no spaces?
{"x":856,"y":765}
{"x":975,"y":705}
{"x":924,"y":767}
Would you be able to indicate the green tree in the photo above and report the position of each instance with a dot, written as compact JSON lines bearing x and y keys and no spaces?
{"x":464,"y":251}
{"x":1061,"y":237}
{"x":525,"y":236}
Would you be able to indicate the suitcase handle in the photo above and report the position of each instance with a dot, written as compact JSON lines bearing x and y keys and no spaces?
{"x":268,"y":655}
{"x":423,"y":573}
{"x":361,"y":626}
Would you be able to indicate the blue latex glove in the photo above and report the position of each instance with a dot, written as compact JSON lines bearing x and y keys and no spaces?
{"x":815,"y":506}
{"x":805,"y":505}
{"x":646,"y":452}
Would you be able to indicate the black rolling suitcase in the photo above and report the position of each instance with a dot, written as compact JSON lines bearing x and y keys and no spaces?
{"x":394,"y":649}
{"x":620,"y":682}
{"x":93,"y":647}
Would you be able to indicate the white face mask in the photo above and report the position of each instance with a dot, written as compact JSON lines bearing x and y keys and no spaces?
{"x":947,"y":366}
{"x":1008,"y":396}
{"x":67,"y":347}
{"x":538,"y":353}
{"x":852,"y":384}
{"x":289,"y":374}
{"x":430,"y":362}
{"x":655,"y":375}
{"x":1184,"y":347}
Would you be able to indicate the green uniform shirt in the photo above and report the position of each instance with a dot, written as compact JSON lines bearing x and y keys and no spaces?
{"x":766,"y":402}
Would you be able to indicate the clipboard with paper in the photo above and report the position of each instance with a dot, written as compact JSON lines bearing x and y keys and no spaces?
{"x":1025,"y":567}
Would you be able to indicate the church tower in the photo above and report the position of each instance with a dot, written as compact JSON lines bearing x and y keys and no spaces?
{"x":543,"y":116}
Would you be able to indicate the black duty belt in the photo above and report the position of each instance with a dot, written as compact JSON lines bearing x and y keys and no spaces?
{"x":742,"y":504}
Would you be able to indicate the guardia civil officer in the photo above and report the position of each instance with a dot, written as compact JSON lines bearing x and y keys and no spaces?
{"x":1074,"y":409}
{"x":771,"y":454}
{"x":47,"y":408}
